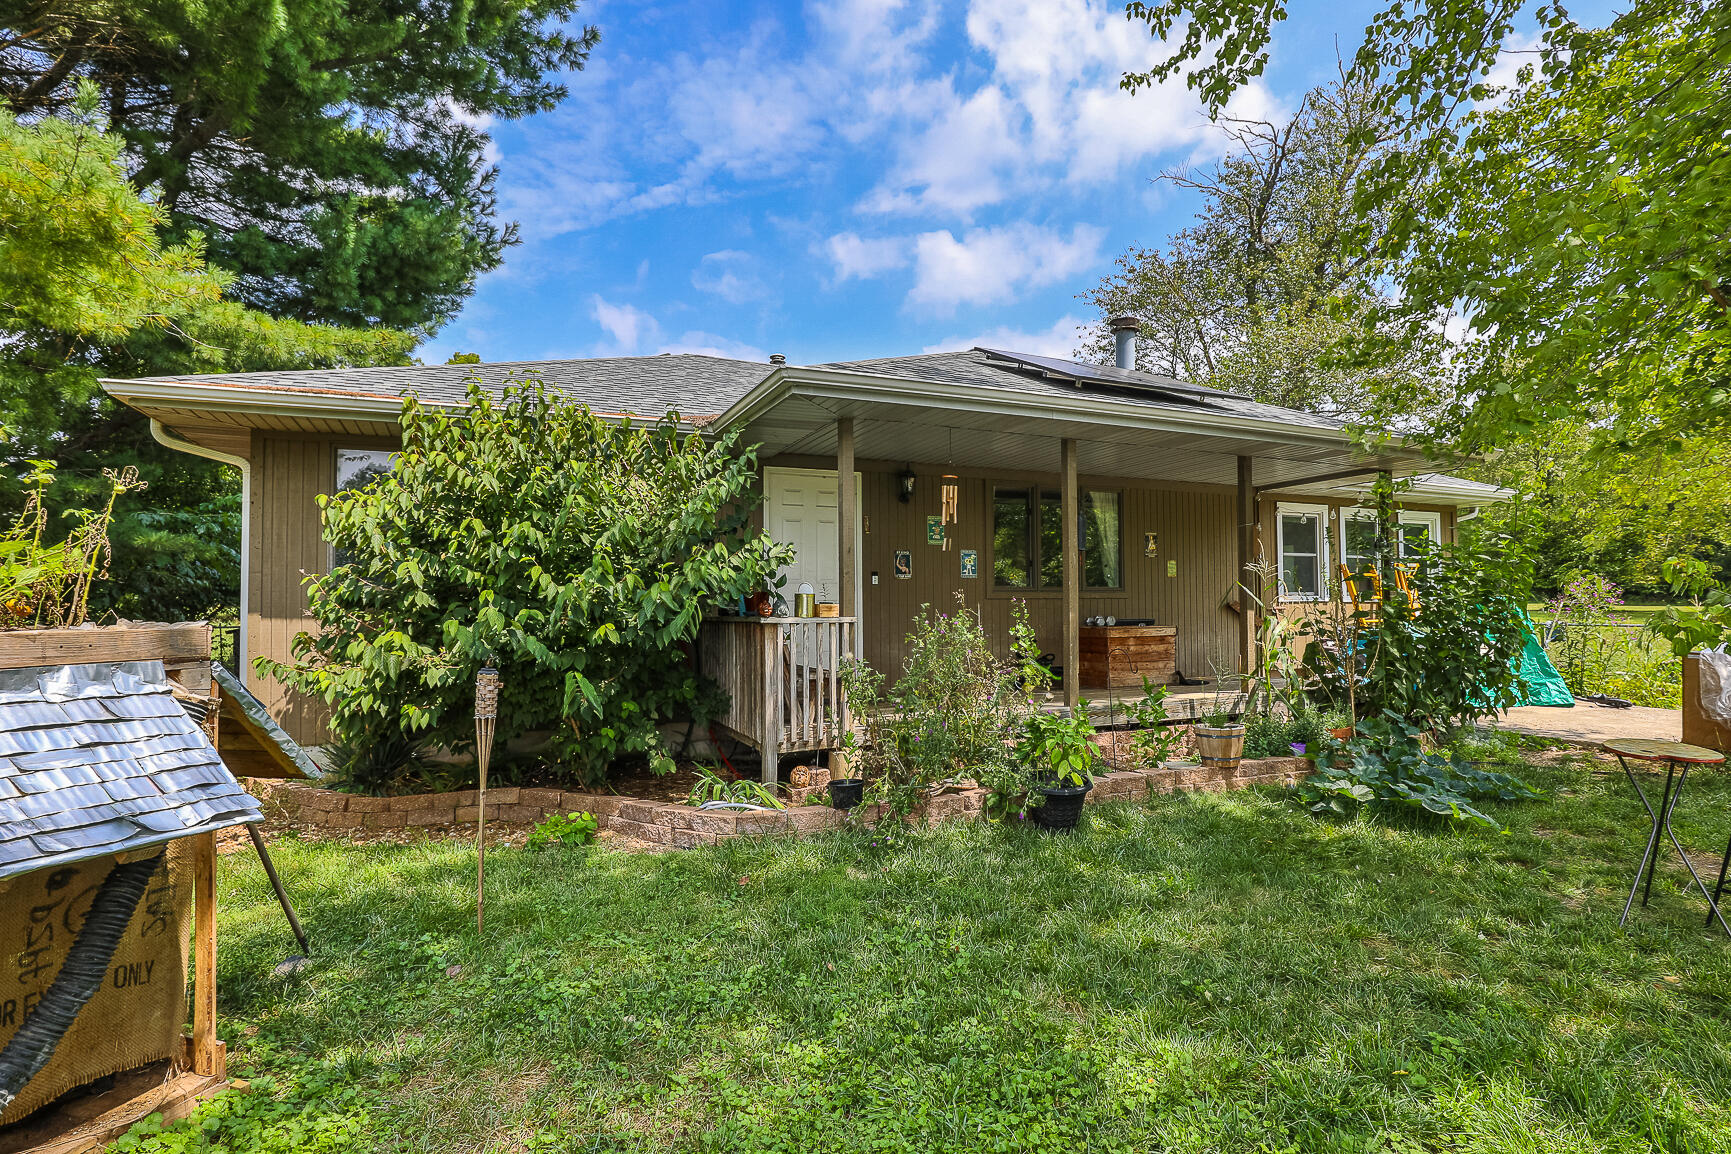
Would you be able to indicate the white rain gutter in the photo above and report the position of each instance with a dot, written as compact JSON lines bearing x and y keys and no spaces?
{"x":163,"y":437}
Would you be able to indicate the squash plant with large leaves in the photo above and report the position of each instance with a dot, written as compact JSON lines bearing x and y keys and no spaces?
{"x":576,"y":555}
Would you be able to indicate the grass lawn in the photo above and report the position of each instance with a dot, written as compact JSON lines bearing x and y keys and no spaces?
{"x":1205,"y":972}
{"x":1637,"y":614}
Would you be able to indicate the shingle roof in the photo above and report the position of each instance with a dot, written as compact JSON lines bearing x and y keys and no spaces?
{"x":96,"y":759}
{"x":694,"y":385}
{"x":997,"y":369}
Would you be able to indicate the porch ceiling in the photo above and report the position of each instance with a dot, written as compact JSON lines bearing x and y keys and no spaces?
{"x":803,"y":423}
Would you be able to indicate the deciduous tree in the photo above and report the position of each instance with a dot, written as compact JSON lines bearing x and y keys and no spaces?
{"x":1257,"y":295}
{"x":1576,"y":228}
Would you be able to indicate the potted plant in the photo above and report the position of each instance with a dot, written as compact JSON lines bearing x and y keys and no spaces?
{"x":1219,"y":739}
{"x":1059,"y":754}
{"x":845,"y":793}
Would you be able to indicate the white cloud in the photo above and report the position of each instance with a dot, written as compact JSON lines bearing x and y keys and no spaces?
{"x":858,"y":257}
{"x":1518,"y":51}
{"x":632,"y":332}
{"x":1029,"y":104}
{"x":1049,"y":112}
{"x":727,"y":274}
{"x":628,"y":328}
{"x":993,"y":265}
{"x":1061,"y":340}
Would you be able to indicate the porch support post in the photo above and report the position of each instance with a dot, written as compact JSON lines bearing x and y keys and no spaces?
{"x":1388,"y":529}
{"x":1072,"y":577}
{"x":846,"y":498}
{"x":1247,"y":583}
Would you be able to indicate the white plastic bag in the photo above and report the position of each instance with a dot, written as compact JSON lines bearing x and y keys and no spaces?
{"x":1715,"y":684}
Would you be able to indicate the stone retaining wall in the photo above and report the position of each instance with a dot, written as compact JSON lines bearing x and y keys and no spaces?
{"x":666,"y":823}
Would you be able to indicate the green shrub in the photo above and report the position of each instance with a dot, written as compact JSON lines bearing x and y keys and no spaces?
{"x":1275,"y":736}
{"x":1058,"y":750}
{"x":576,"y":555}
{"x":954,"y":712}
{"x":1439,"y":658}
{"x":568,"y":829}
{"x":1384,"y":766}
{"x":1153,"y":742}
{"x":1706,"y":621}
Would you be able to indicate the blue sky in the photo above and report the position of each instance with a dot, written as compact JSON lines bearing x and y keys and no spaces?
{"x":843,"y":179}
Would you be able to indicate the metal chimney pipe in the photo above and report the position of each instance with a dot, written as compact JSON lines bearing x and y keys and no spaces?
{"x":777,"y":359}
{"x":1124,"y":330}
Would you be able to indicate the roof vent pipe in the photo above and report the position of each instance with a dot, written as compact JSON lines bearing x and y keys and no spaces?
{"x":1124,"y":333}
{"x":777,"y":359}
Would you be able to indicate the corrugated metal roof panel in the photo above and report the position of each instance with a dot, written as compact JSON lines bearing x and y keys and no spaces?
{"x":106,"y":760}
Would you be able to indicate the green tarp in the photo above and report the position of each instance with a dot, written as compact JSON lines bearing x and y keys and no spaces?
{"x":1544,"y":685}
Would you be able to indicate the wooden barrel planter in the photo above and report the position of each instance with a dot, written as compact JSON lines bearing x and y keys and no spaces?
{"x":1219,"y":746}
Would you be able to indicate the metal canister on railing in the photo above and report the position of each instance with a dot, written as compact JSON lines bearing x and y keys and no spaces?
{"x":805,"y":604}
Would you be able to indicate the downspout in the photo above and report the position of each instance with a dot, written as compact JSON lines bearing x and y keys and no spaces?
{"x":160,"y":432}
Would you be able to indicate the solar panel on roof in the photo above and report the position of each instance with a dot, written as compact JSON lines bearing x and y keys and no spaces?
{"x":1110,"y":376}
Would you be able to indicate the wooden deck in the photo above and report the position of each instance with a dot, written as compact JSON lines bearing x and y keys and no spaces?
{"x":782,"y":676}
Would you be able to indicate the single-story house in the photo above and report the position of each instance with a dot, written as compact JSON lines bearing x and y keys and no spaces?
{"x":1088,"y":490}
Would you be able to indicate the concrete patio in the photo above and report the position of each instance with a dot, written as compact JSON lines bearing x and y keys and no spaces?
{"x":1589,"y":726}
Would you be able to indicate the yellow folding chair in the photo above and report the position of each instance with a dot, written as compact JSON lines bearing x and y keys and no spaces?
{"x":1368,"y":607}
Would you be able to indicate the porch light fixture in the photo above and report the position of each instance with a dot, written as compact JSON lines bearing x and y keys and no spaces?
{"x":905,"y":479}
{"x":486,"y":718}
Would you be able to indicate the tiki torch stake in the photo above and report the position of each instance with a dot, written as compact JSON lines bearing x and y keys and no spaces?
{"x":486,"y":716}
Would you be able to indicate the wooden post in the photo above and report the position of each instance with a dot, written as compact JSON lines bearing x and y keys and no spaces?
{"x":1072,"y":577}
{"x":1388,"y":528}
{"x":846,"y":497}
{"x":774,"y":678}
{"x":207,"y":1051}
{"x":1247,"y":583}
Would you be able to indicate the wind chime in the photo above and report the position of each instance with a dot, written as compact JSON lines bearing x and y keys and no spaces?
{"x":948,"y":490}
{"x":486,"y":717}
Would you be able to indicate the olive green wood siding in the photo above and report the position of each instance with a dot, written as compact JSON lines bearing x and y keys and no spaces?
{"x":288,"y":475}
{"x":1195,"y":528}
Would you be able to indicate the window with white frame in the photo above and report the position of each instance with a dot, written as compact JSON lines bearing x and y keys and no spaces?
{"x":1302,"y":534}
{"x":1358,"y":530}
{"x":1419,"y":531}
{"x":357,"y":468}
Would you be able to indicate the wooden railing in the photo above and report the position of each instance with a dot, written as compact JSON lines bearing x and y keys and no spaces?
{"x":782,"y":676}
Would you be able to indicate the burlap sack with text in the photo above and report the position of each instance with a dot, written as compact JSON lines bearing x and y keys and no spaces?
{"x":137,"y":1015}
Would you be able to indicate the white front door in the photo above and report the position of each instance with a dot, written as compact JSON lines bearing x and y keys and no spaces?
{"x":799,"y":509}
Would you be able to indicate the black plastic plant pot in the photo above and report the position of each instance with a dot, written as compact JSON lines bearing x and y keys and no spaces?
{"x":1063,"y":806}
{"x":846,"y":793}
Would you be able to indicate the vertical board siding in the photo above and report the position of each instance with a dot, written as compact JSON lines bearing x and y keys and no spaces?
{"x":288,"y":543}
{"x":1195,"y":525}
{"x":1195,"y":528}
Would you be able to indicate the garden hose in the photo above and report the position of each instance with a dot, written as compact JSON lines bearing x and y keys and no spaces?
{"x":79,"y":978}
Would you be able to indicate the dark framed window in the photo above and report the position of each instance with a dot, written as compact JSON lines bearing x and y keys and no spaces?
{"x":1028,"y":538}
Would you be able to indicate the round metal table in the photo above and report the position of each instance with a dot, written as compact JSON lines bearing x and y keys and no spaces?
{"x":1678,"y":759}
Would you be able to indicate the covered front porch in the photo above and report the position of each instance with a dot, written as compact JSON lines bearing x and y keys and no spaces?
{"x":901,"y":494}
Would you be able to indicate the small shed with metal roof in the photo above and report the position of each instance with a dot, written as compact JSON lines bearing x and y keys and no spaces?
{"x":111,"y":794}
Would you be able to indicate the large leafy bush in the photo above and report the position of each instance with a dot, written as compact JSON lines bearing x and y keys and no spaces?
{"x":1439,"y":656}
{"x":956,"y":712}
{"x":578,"y":556}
